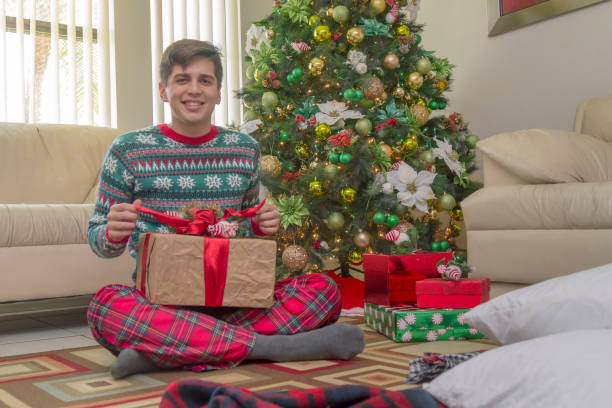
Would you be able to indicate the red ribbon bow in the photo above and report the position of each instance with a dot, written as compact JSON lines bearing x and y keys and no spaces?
{"x":202,"y":218}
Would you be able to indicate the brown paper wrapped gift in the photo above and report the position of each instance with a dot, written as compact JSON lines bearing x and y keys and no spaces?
{"x":187,"y":270}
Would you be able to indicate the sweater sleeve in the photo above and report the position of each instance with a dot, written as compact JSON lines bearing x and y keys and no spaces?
{"x":251,"y":196}
{"x":116,"y":186}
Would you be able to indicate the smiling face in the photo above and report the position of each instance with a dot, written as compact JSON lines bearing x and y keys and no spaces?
{"x":192,"y":93}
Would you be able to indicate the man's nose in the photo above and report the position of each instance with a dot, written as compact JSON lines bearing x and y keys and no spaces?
{"x":193,"y":87}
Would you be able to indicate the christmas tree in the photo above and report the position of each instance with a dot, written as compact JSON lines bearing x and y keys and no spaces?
{"x":342,"y":98}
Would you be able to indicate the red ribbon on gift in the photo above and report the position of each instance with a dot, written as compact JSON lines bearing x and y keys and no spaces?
{"x":216,"y":250}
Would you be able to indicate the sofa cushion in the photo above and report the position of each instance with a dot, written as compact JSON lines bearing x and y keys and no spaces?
{"x":43,"y":224}
{"x":540,"y":206}
{"x":593,"y":118}
{"x":54,"y":164}
{"x":550,"y":156}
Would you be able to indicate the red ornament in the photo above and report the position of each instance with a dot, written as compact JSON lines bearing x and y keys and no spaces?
{"x":272,"y":75}
{"x":312,"y":121}
{"x":316,"y":245}
{"x":299,"y":118}
{"x":336,"y":36}
{"x":276,"y":84}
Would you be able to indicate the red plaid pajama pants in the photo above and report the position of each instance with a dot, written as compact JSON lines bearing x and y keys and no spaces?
{"x":202,"y":339}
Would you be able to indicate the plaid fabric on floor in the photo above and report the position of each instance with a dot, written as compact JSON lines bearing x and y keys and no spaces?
{"x":433,"y":364}
{"x":199,"y":394}
{"x":202,"y":339}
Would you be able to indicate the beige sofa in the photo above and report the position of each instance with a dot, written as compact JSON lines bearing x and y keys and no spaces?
{"x":546,"y":206}
{"x":48,"y":181}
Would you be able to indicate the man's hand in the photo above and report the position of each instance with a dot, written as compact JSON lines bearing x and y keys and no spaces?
{"x":122,"y":220}
{"x":268,"y":219}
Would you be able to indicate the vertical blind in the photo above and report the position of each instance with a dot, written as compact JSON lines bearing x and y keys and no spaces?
{"x":216,"y":21}
{"x":55,"y":61}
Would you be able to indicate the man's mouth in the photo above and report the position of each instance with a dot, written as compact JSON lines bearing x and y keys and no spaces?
{"x":193,"y":104}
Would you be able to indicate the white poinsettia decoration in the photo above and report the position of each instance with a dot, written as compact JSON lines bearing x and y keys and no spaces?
{"x":445,"y":152}
{"x":333,"y":111}
{"x":414,"y":188}
{"x":409,"y":12}
{"x":357,"y":60}
{"x":256,"y":35}
{"x":250,"y":126}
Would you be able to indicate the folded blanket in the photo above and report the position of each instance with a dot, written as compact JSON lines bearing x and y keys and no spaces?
{"x":199,"y":394}
{"x":433,"y":364}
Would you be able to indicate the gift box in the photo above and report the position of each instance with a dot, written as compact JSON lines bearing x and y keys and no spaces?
{"x":408,"y":323}
{"x":188,"y":270}
{"x":390,"y":279}
{"x":463,"y":293}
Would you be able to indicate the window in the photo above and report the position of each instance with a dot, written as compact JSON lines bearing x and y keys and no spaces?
{"x":55,"y":62}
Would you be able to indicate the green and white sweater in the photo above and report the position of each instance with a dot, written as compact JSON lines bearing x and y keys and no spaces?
{"x":168,"y":171}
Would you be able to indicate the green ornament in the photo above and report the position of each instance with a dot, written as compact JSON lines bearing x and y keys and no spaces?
{"x":379,"y":218}
{"x":335,"y":221}
{"x":441,"y":105}
{"x":250,"y":71}
{"x":341,"y":14}
{"x":291,"y":79}
{"x":358,"y":95}
{"x":367,"y":103}
{"x":434,"y":104}
{"x":423,"y":65}
{"x":447,"y":202}
{"x":284,"y":136}
{"x":418,"y":38}
{"x":427,"y":156}
{"x":435,"y":246}
{"x":269,"y":99}
{"x":392,"y":221}
{"x":290,"y":168}
{"x":249,"y":115}
{"x":444,"y":245}
{"x":334,"y":157}
{"x":349,"y":94}
{"x":471,"y":140}
{"x":297,"y":73}
{"x":345,"y":158}
{"x":363,"y":126}
{"x":330,"y":172}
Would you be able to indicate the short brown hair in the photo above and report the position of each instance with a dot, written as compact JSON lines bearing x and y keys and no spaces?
{"x":182,"y":52}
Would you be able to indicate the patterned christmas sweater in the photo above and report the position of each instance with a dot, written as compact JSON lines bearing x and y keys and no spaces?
{"x":168,"y":171}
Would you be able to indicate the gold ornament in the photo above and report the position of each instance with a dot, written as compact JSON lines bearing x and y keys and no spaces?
{"x":314,"y":21}
{"x":399,"y":92}
{"x":348,"y":194}
{"x":315,"y":188}
{"x":271,"y":165}
{"x":316,"y":66}
{"x":374,"y":88}
{"x":281,"y":114}
{"x":377,"y":6}
{"x":270,"y":34}
{"x":456,"y":214}
{"x":330,"y":12}
{"x":362,"y":239}
{"x":355,"y":35}
{"x":455,"y":230}
{"x":442,"y":84}
{"x":391,"y":61}
{"x":402,"y":31}
{"x":295,"y":258}
{"x":420,"y":113}
{"x":415,"y":80}
{"x":322,"y":33}
{"x":322,"y":131}
{"x":409,"y":145}
{"x":355,"y":257}
{"x":303,"y":151}
{"x":385,"y":148}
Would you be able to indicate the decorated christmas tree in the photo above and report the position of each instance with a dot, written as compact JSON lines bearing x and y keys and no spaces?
{"x":356,"y":153}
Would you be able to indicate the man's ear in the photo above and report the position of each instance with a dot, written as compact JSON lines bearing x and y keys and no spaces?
{"x":218,"y":97}
{"x":162,"y":92}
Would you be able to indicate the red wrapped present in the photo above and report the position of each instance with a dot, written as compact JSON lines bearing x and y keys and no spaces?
{"x":390,"y":279}
{"x":460,"y":294}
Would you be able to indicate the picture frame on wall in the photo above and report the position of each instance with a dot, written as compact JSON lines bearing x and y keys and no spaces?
{"x":509,"y":15}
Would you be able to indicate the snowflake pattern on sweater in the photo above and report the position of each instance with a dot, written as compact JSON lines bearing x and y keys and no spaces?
{"x":168,"y":171}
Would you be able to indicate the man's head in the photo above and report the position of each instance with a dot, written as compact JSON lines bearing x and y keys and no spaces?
{"x":183,"y":51}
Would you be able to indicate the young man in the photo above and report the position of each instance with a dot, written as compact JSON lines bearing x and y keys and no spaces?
{"x":166,"y":167}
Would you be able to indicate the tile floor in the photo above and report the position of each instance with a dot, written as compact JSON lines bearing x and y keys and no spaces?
{"x":40,"y":332}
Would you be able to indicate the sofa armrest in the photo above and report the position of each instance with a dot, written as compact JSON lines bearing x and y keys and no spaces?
{"x":43,"y":224}
{"x":543,"y":156}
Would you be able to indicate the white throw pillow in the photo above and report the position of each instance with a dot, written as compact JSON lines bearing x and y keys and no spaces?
{"x":577,"y":301}
{"x":563,"y":370}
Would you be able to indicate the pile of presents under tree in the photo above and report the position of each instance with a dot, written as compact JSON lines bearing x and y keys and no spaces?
{"x":421,"y":297}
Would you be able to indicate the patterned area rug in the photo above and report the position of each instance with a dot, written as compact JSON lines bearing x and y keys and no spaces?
{"x":80,"y":377}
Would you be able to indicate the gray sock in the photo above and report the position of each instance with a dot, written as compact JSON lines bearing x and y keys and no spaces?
{"x":339,"y":341}
{"x":130,"y":361}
